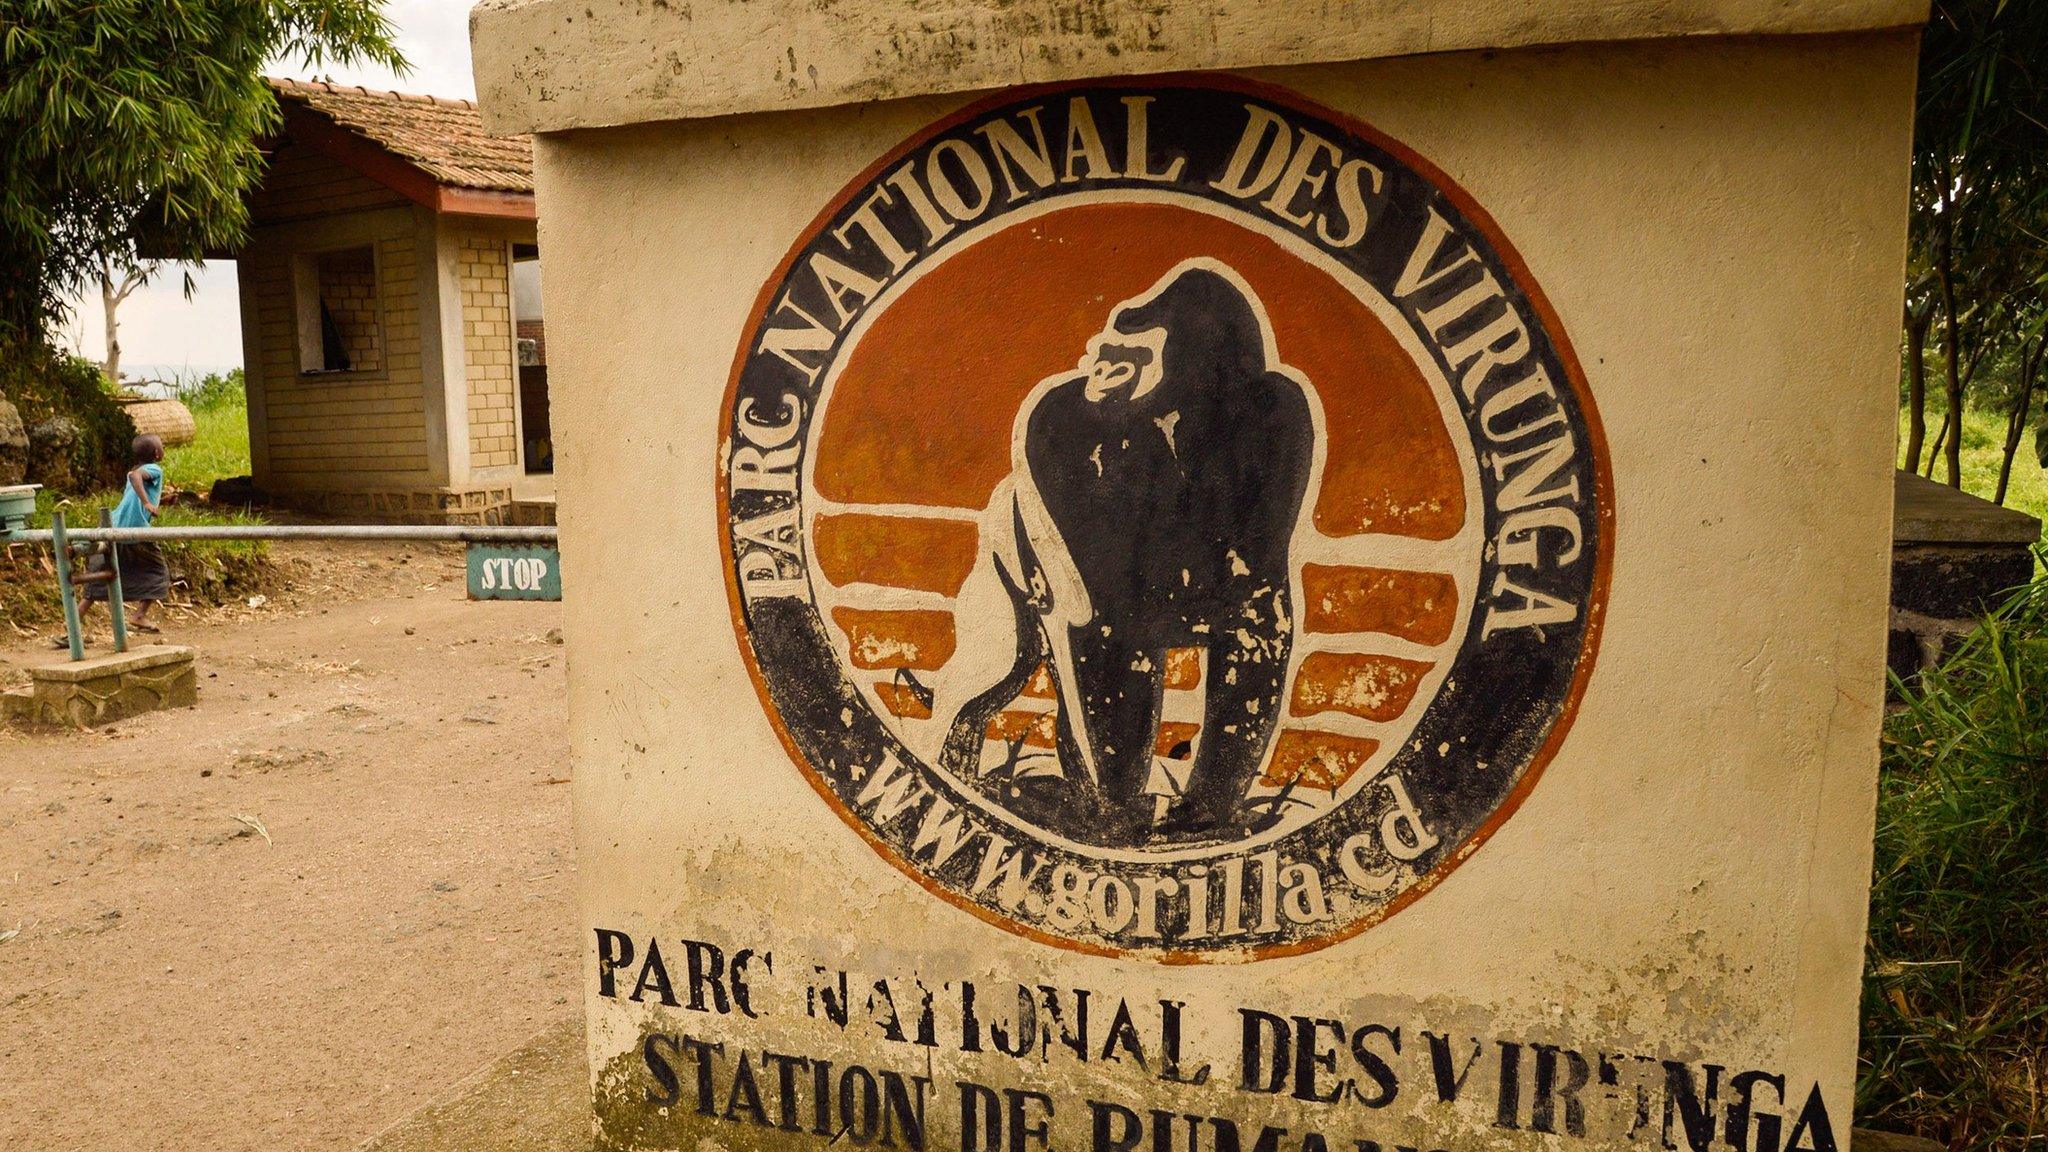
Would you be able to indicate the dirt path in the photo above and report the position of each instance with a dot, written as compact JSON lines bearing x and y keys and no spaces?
{"x":185,"y":979}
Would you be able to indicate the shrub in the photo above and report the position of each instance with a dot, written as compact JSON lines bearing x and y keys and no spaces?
{"x":213,"y":391}
{"x":47,"y":385}
{"x":212,"y":571}
{"x":1955,"y":1000}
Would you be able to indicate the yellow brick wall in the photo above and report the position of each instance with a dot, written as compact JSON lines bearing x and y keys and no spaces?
{"x":342,"y":430}
{"x":487,"y":349}
{"x":348,"y":286}
{"x":301,"y":183}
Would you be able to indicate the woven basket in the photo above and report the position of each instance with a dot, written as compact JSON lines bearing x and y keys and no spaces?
{"x":168,"y":419}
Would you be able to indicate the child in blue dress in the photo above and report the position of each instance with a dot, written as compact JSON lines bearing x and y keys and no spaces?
{"x":145,"y":578}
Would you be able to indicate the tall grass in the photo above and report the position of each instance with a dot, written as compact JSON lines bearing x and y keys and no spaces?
{"x":1955,"y":1004}
{"x":227,"y":389}
{"x":219,"y":404}
{"x":214,"y":571}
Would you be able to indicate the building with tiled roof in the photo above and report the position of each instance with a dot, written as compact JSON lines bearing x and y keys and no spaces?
{"x":443,"y":138}
{"x":391,"y":326}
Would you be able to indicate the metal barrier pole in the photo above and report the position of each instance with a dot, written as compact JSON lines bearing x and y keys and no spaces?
{"x":60,"y":541}
{"x":63,"y":547}
{"x":448,"y":532}
{"x":116,"y":607}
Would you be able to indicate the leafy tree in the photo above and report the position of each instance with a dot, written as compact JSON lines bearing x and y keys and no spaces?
{"x":130,"y":128}
{"x":1980,"y":213}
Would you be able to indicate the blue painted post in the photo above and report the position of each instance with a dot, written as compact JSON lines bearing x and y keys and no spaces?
{"x":63,"y":547}
{"x":115,"y":607}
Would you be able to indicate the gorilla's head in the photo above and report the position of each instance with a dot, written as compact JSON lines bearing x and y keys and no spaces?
{"x":1196,"y":323}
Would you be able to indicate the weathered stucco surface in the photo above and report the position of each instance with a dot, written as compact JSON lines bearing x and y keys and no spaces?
{"x":549,"y":65}
{"x":1719,"y":226}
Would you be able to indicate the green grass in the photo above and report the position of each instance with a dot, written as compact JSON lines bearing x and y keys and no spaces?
{"x":214,"y":571}
{"x":219,"y":406}
{"x":1983,"y":442}
{"x":1955,"y":1003}
{"x":84,"y":512}
{"x":221,"y":450}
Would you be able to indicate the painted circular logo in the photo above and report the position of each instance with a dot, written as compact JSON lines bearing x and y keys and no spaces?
{"x":1164,"y":519}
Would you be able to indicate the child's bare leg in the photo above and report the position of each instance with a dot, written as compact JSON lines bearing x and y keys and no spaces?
{"x":84,"y":623}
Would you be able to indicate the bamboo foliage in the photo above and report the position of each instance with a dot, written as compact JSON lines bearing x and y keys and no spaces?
{"x":1975,"y":296}
{"x":133,"y":128}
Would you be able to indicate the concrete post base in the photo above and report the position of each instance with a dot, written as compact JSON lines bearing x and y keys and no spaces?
{"x":1954,"y":558}
{"x":103,"y":689}
{"x":532,"y":1099}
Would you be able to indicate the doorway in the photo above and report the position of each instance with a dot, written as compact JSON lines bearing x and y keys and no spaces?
{"x":535,"y":433}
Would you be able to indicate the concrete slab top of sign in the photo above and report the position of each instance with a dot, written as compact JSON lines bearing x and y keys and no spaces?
{"x":94,"y":667}
{"x":1926,"y":512}
{"x":552,"y":65}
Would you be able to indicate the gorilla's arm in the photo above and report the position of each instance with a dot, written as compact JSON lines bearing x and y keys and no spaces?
{"x":1275,"y":448}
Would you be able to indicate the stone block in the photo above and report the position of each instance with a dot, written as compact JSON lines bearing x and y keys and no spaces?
{"x":13,"y":445}
{"x":1960,"y":581}
{"x":536,"y":512}
{"x":103,"y":689}
{"x":410,"y":506}
{"x":1955,"y":557}
{"x":1924,"y":512}
{"x":1312,"y":924}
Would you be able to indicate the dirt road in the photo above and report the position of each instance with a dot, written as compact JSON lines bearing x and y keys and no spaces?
{"x":289,"y":916}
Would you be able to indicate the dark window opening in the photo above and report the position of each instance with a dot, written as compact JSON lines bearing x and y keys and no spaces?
{"x":338,"y":304}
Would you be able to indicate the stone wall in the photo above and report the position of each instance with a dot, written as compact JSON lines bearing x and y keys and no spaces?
{"x":103,"y":689}
{"x":488,"y":504}
{"x":1954,"y":557}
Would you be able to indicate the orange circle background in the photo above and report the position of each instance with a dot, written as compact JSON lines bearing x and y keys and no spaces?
{"x":1602,"y":499}
{"x":923,"y":409}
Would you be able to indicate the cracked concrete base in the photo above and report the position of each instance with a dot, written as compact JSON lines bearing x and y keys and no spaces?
{"x":533,"y":1099}
{"x":536,"y":1098}
{"x":105,"y":688}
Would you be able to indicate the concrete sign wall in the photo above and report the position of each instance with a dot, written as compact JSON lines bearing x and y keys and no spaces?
{"x":1248,"y":578}
{"x":1337,"y":607}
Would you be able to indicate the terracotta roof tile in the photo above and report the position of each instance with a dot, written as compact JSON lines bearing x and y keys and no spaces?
{"x":444,"y":138}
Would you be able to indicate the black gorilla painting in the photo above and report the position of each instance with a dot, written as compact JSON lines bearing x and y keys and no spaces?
{"x":1152,"y":505}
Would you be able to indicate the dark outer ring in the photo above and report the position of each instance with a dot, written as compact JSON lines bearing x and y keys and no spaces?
{"x":1437,"y":725}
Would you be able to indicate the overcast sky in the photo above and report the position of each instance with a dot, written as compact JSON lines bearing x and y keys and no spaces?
{"x":164,"y":333}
